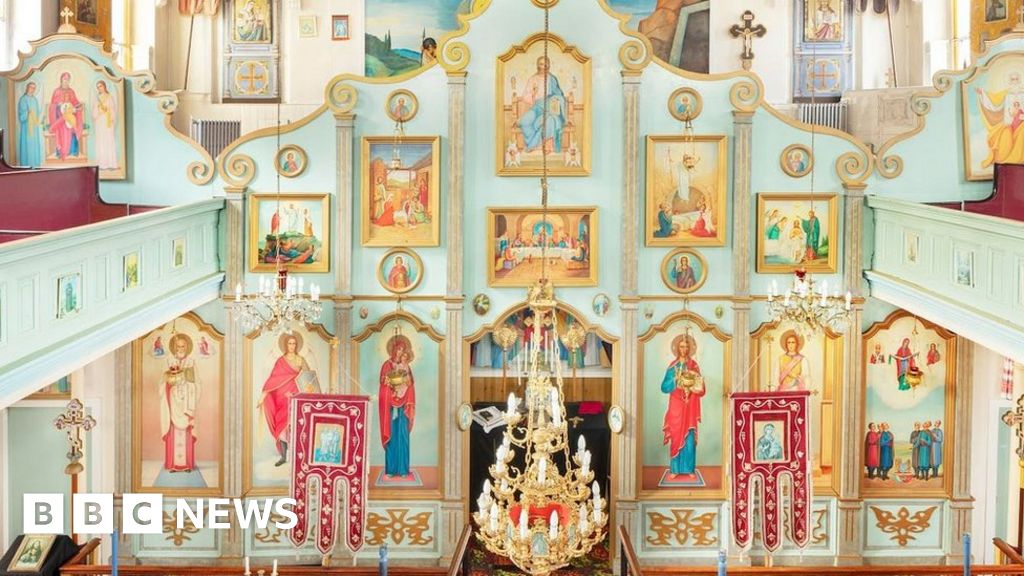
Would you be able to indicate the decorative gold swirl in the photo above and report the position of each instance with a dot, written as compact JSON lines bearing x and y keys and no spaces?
{"x":889,"y":166}
{"x":239,"y":170}
{"x":544,"y":3}
{"x":200,"y":173}
{"x":921,"y":104}
{"x":853,"y":168}
{"x":943,"y":80}
{"x":167,"y":103}
{"x":455,"y":56}
{"x":745,"y":95}
{"x":634,"y":55}
{"x":341,"y":97}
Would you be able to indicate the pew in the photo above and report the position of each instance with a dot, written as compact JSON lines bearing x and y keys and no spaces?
{"x":40,"y":200}
{"x":1007,"y":198}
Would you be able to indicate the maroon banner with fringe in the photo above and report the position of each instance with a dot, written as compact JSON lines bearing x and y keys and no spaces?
{"x":329,"y":440}
{"x":770,"y":443}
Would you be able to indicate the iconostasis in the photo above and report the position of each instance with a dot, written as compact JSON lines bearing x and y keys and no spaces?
{"x":414,"y":204}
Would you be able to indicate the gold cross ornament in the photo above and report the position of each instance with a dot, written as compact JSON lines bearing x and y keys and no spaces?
{"x":1015,"y":419}
{"x":67,"y":27}
{"x":72,"y":422}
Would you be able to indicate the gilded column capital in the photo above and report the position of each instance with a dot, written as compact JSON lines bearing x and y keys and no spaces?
{"x":742,"y":117}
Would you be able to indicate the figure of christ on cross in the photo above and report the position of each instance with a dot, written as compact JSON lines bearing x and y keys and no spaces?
{"x":748,"y":31}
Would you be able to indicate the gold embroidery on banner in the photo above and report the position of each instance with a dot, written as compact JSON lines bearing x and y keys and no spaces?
{"x":178,"y":535}
{"x":272,"y":533}
{"x":399,"y":525}
{"x":683,"y":524}
{"x":902,"y":525}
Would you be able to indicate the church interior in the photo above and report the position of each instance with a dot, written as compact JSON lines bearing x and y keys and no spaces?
{"x":494,"y":287}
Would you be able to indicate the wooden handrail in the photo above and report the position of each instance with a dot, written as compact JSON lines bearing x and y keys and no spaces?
{"x":1009,"y":552}
{"x":458,"y":563}
{"x":630,"y":565}
{"x":235,"y":570}
{"x":82,"y":556}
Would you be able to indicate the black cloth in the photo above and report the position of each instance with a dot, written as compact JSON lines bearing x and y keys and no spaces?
{"x":483,"y":446}
{"x":63,"y":549}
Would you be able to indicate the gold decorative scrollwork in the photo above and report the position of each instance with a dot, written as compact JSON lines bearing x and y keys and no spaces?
{"x":889,"y":166}
{"x":397,"y":526}
{"x":819,"y":534}
{"x":341,"y":97}
{"x":745,"y":95}
{"x":238,"y":170}
{"x":271,"y":534}
{"x":544,"y":3}
{"x":200,"y":173}
{"x":854,"y":168}
{"x":901,"y":524}
{"x":454,"y":56}
{"x":634,"y":54}
{"x":178,"y":536}
{"x":683,"y":524}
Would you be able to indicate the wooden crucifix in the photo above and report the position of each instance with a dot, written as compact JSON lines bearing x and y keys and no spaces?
{"x":748,"y":30}
{"x":72,"y":421}
{"x":1015,"y":419}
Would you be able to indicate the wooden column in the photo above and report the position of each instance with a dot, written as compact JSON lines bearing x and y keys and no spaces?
{"x":742,"y":125}
{"x":851,"y":431}
{"x":346,"y":227}
{"x":232,"y":545}
{"x":123,"y":445}
{"x":453,"y":507}
{"x":624,"y":489}
{"x":961,"y":505}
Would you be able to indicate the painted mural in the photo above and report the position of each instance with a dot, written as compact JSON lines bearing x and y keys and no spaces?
{"x":401,"y":191}
{"x":686,"y":191}
{"x":993,"y":108}
{"x":543,"y":104}
{"x":177,"y":413}
{"x":684,"y":382}
{"x":523,"y":243}
{"x":823,"y":20}
{"x":909,"y":377}
{"x":275,"y":369}
{"x":69,"y":112}
{"x":789,"y":357}
{"x":399,"y":360}
{"x":402,"y":35}
{"x":251,"y":21}
{"x":678,"y":31}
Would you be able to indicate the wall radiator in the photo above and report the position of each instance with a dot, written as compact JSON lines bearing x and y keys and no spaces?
{"x":215,"y":135}
{"x":831,"y":114}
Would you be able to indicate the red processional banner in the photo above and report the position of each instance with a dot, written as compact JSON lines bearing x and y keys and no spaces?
{"x":329,"y":436}
{"x":770,"y":443}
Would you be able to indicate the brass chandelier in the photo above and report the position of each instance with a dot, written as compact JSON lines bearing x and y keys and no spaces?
{"x":541,"y":506}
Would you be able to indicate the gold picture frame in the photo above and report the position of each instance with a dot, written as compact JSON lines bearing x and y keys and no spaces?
{"x":53,"y":391}
{"x":867,"y":489}
{"x":425,"y":330}
{"x":394,"y":105}
{"x":315,"y":246}
{"x":830,"y":395}
{"x":684,"y":223}
{"x":780,"y":257}
{"x":379,"y":225}
{"x":32,"y":552}
{"x":712,"y":331}
{"x":290,"y":161}
{"x":796,"y":160}
{"x":507,"y":248}
{"x":515,"y":153}
{"x":700,"y":271}
{"x":413,"y":274}
{"x":987,"y":25}
{"x":685,"y":104}
{"x":249,"y":407}
{"x":199,"y":327}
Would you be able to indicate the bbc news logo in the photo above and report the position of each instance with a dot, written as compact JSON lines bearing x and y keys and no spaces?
{"x":143,"y":513}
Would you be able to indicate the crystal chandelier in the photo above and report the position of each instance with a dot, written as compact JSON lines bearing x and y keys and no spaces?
{"x":536,"y":515}
{"x":530,"y":510}
{"x":280,"y":300}
{"x":802,"y":304}
{"x":816,"y":310}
